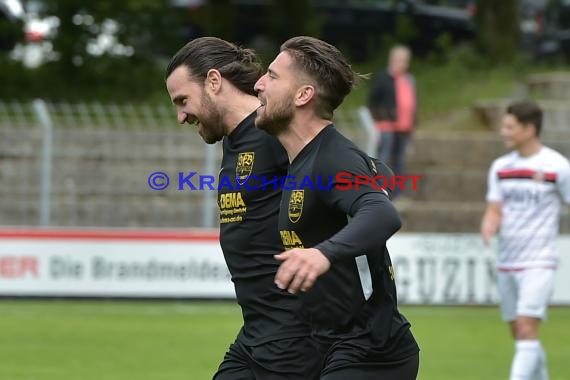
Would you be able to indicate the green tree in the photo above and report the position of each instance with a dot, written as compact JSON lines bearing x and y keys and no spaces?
{"x":294,"y":18}
{"x":220,"y":19}
{"x":281,"y":20}
{"x":498,"y":30}
{"x":138,"y":33}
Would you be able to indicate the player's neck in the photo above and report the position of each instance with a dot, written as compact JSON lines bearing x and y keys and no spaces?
{"x":302,"y":130}
{"x":237,"y":109}
{"x":530,"y":148}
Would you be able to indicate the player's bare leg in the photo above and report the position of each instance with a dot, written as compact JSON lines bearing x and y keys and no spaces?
{"x":529,"y":361}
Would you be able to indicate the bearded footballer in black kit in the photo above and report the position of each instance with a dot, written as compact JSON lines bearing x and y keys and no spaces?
{"x":210,"y":81}
{"x":335,"y":239}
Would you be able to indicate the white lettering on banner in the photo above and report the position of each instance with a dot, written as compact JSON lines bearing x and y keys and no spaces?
{"x":429,"y":268}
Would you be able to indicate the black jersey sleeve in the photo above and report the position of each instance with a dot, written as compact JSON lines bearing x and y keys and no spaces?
{"x":383,"y":170}
{"x":373,"y":218}
{"x":374,"y":221}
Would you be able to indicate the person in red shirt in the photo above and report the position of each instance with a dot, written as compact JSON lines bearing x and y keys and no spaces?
{"x":392,"y":102}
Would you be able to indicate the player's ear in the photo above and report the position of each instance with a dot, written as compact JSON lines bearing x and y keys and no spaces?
{"x":533,"y":128}
{"x":213,"y":80}
{"x":304,"y":95}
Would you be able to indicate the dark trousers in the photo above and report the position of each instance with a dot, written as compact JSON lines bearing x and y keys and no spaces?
{"x":285,"y":359}
{"x":392,"y":151}
{"x":407,"y":370}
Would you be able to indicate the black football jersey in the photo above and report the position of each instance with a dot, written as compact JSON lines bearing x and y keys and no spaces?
{"x":249,"y":236}
{"x":321,"y":207}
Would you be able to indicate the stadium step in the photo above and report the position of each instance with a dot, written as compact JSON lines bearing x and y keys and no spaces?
{"x":100,"y":177}
{"x":449,"y":216}
{"x":450,"y":196}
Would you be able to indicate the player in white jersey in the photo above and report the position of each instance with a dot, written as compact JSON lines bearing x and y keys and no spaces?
{"x":525,"y":191}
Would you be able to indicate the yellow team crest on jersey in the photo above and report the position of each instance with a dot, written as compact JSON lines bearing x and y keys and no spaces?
{"x":296,"y":205}
{"x":244,"y":166}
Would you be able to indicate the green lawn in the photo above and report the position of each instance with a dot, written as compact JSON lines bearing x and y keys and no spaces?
{"x":79,"y":340}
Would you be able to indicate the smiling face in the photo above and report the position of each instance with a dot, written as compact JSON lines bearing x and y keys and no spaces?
{"x":194,"y":105}
{"x":516,"y":134}
{"x":276,"y":92}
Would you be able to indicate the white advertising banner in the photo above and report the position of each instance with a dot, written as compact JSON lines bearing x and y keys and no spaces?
{"x":430,"y":268}
{"x":457,"y":269}
{"x":113,"y":264}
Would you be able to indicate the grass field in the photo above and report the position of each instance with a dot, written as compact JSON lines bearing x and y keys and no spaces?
{"x":108,"y":340}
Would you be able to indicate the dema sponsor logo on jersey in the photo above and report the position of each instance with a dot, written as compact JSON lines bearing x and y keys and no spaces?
{"x":290,"y":239}
{"x":232,"y":207}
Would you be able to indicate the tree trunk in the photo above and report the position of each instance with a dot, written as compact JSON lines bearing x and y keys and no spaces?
{"x":498,"y":30}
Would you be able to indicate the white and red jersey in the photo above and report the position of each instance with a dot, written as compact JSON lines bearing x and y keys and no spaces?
{"x":531,"y":191}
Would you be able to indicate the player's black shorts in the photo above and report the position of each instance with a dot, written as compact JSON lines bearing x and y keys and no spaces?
{"x":404,"y":370}
{"x":285,"y":359}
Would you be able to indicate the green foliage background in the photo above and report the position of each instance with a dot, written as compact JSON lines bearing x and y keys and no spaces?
{"x":449,"y":78}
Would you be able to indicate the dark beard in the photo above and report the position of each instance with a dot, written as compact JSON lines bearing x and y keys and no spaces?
{"x":212,"y":128}
{"x":276,"y":122}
